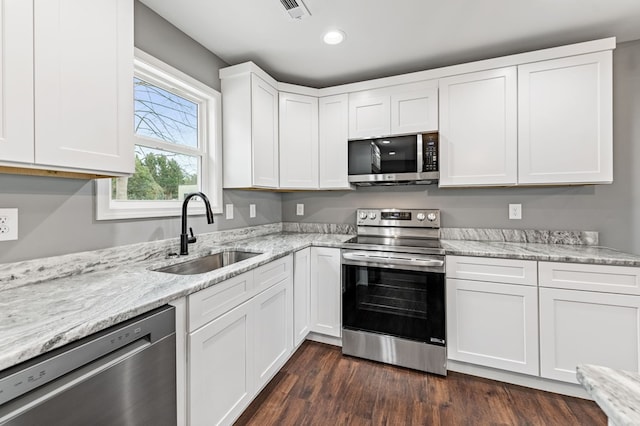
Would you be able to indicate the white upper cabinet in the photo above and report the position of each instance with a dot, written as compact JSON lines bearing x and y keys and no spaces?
{"x":414,"y":111}
{"x":394,"y":110}
{"x":71,"y":62}
{"x":264,"y":126}
{"x":369,"y":116}
{"x":334,"y":134}
{"x":83,"y":84}
{"x":249,"y":131}
{"x":565,"y":120}
{"x":298,"y":141}
{"x":478,"y":128}
{"x":16,"y":85}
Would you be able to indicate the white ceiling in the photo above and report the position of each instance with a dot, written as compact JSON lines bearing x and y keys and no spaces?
{"x":387,"y":37}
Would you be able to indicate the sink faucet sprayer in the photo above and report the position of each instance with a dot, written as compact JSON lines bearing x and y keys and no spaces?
{"x":185,"y":239}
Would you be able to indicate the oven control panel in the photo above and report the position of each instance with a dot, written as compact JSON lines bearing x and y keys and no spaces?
{"x":412,"y":218}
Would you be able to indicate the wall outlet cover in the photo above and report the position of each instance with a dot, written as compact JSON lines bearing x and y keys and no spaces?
{"x":229,"y":211}
{"x":515,"y":211}
{"x":8,"y":224}
{"x":252,"y":210}
{"x":300,"y":209}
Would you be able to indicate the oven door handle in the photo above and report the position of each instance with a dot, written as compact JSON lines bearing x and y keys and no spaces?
{"x":400,"y":260}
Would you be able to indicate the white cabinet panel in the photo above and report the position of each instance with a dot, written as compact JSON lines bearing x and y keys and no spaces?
{"x":273,"y":336}
{"x":414,"y":111}
{"x":326,"y":291}
{"x":565,"y":120}
{"x":510,"y":271}
{"x":298,"y":141}
{"x":208,"y":304}
{"x":494,"y":325}
{"x":579,"y":327}
{"x":84,"y":84}
{"x":267,"y":275}
{"x":334,"y":134}
{"x":301,"y":295}
{"x":601,"y":278}
{"x":478,"y":128}
{"x":16,"y":85}
{"x":369,"y":117}
{"x":221,"y":368}
{"x":264,"y":133}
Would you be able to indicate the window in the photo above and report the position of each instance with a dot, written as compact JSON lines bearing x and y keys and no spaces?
{"x":177,"y":146}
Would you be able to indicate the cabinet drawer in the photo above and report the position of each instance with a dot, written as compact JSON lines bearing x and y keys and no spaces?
{"x":212,"y":302}
{"x":272,"y":273}
{"x":511,"y":271}
{"x":602,"y":278}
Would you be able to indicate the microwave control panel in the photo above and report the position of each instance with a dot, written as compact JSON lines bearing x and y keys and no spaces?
{"x":430,"y":152}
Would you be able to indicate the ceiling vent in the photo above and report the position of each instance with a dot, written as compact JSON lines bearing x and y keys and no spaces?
{"x":295,"y":8}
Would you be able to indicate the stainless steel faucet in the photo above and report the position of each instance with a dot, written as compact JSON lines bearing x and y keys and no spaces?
{"x":185,"y":239}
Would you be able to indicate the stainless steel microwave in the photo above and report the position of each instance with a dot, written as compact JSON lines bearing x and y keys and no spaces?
{"x":410,"y":159}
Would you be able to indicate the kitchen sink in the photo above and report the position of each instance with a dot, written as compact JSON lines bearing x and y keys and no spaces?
{"x":207,"y":263}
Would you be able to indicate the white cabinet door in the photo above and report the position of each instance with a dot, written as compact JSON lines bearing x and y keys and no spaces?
{"x":478,"y":129}
{"x":301,"y":295}
{"x":298,"y":141}
{"x":581,"y":327}
{"x":273,"y":334}
{"x":369,"y":116}
{"x":334,"y":134}
{"x":264,"y":133}
{"x":414,"y":111}
{"x":565,"y":120}
{"x":326,"y":291}
{"x":16,"y":85}
{"x":84,"y":84}
{"x":221,"y":368}
{"x":491,"y":324}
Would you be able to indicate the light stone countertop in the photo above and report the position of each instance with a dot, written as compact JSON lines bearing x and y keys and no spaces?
{"x":616,"y":392}
{"x":46,"y":303}
{"x":38,"y":317}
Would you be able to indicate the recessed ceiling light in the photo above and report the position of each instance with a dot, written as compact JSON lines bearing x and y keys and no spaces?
{"x":334,"y":37}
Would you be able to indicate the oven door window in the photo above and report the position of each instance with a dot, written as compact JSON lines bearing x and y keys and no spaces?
{"x":405,"y":304}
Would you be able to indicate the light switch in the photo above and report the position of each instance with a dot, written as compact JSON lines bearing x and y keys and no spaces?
{"x":252,"y":210}
{"x":229,"y":211}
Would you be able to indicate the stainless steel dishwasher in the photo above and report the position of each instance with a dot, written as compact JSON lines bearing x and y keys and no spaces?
{"x":123,"y":375}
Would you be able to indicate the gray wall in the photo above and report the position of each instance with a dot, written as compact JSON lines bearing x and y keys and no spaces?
{"x":57,"y":216}
{"x":613,"y":210}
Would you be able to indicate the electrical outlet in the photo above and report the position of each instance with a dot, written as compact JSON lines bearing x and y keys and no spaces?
{"x":300,"y":209}
{"x":8,"y":224}
{"x":229,"y":211}
{"x":515,"y":211}
{"x":252,"y":210}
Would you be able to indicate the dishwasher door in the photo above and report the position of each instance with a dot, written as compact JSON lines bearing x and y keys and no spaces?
{"x":132,"y":385}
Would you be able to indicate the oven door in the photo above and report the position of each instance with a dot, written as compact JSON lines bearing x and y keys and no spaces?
{"x":398,"y":300}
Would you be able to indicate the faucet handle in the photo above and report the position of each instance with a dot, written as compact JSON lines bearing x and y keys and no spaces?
{"x":192,"y":238}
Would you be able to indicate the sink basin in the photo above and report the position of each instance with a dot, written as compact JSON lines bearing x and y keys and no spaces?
{"x":207,"y":263}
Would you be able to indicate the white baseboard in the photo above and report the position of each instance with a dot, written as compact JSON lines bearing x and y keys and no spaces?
{"x":322,"y":338}
{"x":539,"y":383}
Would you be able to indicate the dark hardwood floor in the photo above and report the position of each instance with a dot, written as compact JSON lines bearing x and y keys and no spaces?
{"x":319,"y":386}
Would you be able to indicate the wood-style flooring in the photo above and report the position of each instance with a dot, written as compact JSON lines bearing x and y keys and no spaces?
{"x":319,"y":386}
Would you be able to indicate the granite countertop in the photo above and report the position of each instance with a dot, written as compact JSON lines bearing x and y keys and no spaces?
{"x":46,"y":303}
{"x":617,"y":392}
{"x":41,"y":316}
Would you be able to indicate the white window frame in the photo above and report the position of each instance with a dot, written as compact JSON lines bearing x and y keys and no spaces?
{"x":165,"y":76}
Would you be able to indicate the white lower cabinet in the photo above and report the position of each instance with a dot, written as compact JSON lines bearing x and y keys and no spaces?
{"x":326,"y":291}
{"x":492,"y":324}
{"x":492,"y":314}
{"x":301,"y":295}
{"x":273,"y":336}
{"x":589,"y":314}
{"x":222,"y":381}
{"x":232,"y":356}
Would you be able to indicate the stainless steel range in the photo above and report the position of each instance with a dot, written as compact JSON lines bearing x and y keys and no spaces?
{"x":393,"y":290}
